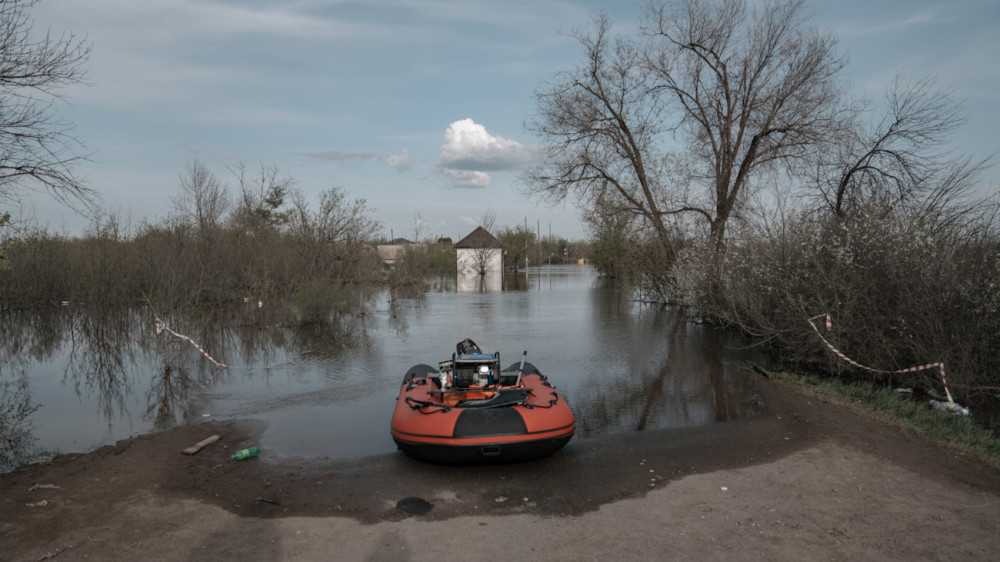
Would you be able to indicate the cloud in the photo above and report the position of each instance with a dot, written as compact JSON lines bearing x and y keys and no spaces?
{"x":471,"y":152}
{"x":467,"y":178}
{"x":468,"y":221}
{"x":470,"y":147}
{"x":400,"y":162}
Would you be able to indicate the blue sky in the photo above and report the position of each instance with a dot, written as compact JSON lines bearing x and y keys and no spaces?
{"x":416,"y":106}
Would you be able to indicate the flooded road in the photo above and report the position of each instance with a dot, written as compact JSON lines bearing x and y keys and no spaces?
{"x":325,"y":392}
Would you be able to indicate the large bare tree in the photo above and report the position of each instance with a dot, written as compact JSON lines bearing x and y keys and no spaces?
{"x":602,"y":123}
{"x":38,"y":151}
{"x":683,"y":115}
{"x":751,"y":87}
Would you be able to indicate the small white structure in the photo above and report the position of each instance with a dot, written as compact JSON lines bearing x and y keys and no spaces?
{"x":392,"y":252}
{"x":479,"y":253}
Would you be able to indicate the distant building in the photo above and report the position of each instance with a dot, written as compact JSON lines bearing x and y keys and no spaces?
{"x":480,"y":253}
{"x":393,"y":251}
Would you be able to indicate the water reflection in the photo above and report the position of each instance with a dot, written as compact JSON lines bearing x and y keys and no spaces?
{"x":17,"y":443}
{"x":491,"y":282}
{"x":104,"y":374}
{"x":328,"y":388}
{"x":670,"y":373}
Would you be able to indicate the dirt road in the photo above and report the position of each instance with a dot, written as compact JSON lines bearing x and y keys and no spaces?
{"x":810,"y":480}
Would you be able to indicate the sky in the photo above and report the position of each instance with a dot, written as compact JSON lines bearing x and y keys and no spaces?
{"x":416,"y":106}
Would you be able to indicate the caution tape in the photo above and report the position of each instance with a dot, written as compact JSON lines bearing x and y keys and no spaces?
{"x":219,"y":367}
{"x":161,"y":327}
{"x":838,"y":353}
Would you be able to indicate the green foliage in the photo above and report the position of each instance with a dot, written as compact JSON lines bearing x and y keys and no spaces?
{"x":611,"y":254}
{"x":321,"y":300}
{"x":517,"y":242}
{"x":411,"y":267}
{"x":441,"y":258}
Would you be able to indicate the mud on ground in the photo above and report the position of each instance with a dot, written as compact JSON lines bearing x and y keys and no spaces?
{"x":809,"y":480}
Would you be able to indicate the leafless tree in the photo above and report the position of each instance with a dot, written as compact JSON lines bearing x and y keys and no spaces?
{"x":489,"y":219}
{"x":742,"y":89}
{"x":899,"y":160}
{"x":751,"y":87}
{"x":602,"y":123}
{"x":482,"y":257}
{"x":262,"y":197}
{"x":419,"y":227}
{"x":38,"y":151}
{"x":203,"y":199}
{"x":337,"y":221}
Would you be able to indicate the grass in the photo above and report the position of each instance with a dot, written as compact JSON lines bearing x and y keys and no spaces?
{"x":961,"y":433}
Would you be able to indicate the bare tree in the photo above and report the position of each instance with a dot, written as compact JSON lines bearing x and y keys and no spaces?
{"x":37,"y":150}
{"x":899,"y":160}
{"x":742,"y":88}
{"x":485,"y":254}
{"x":262,"y":197}
{"x":203,"y":199}
{"x":419,"y":227}
{"x":338,"y":221}
{"x":489,"y":219}
{"x":750,"y":87}
{"x":602,"y":123}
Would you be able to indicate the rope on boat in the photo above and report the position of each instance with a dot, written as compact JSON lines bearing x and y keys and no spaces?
{"x":497,"y":401}
{"x":420,"y":404}
{"x":838,"y":353}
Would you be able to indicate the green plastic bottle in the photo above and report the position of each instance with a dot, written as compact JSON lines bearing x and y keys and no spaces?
{"x":245,"y":453}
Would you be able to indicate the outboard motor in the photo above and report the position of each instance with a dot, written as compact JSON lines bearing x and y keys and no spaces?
{"x":467,"y":347}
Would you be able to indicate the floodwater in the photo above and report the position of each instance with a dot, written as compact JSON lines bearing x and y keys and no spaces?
{"x":328,"y":391}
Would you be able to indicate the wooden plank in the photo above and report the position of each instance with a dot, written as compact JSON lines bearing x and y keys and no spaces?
{"x":201,"y":445}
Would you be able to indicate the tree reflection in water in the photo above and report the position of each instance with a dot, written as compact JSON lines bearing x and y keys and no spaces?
{"x":17,"y":445}
{"x":623,"y":366}
{"x":670,"y":374}
{"x":114,"y":358}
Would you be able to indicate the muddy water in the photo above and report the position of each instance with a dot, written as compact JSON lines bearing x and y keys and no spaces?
{"x":328,"y":392}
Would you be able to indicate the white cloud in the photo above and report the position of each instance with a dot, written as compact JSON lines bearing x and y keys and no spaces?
{"x":467,"y":178}
{"x":468,"y":221}
{"x":400,"y":162}
{"x":471,"y":151}
{"x":471,"y":147}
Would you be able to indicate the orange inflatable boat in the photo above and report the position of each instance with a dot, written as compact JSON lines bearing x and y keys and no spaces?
{"x":469,"y":411}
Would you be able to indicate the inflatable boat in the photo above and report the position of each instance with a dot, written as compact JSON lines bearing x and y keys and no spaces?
{"x":469,"y":411}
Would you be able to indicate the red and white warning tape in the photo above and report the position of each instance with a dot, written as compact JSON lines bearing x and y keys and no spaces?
{"x":219,"y":367}
{"x":161,"y":327}
{"x":838,"y":353}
